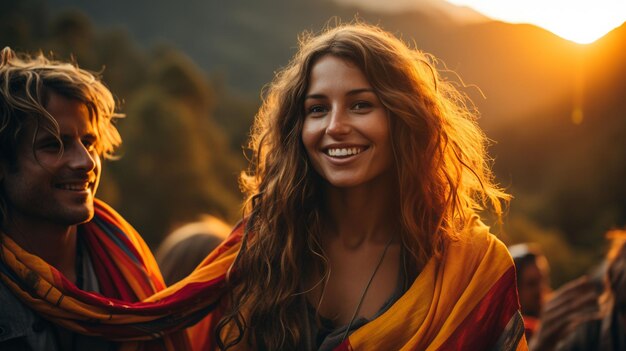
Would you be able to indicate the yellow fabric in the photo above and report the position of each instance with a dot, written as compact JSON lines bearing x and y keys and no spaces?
{"x":441,"y":296}
{"x":523,"y":345}
{"x":438,"y":301}
{"x":45,"y":290}
{"x":212,"y":267}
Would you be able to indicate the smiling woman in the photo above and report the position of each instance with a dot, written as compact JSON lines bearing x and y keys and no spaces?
{"x":362,"y":230}
{"x":346,"y":127}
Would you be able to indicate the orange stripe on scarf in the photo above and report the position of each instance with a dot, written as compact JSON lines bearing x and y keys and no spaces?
{"x":131,"y":272}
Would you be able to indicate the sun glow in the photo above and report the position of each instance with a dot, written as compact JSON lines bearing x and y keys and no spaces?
{"x":581,"y":21}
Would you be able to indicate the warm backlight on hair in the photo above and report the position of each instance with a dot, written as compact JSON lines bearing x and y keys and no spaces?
{"x":581,"y":21}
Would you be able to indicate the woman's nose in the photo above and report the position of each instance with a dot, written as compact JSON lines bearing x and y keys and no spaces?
{"x":338,"y":123}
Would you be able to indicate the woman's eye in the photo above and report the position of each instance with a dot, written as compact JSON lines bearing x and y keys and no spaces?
{"x":317,"y":109}
{"x":362,"y":105}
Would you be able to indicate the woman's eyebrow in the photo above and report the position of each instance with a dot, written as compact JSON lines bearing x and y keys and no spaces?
{"x":359,"y":91}
{"x":349,"y":93}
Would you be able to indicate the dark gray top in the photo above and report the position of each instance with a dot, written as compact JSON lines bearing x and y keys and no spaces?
{"x":324,"y":336}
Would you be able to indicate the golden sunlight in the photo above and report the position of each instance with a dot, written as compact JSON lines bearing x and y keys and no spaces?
{"x":581,"y":21}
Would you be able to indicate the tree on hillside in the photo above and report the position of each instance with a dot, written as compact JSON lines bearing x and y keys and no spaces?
{"x":23,"y":24}
{"x":172,"y":151}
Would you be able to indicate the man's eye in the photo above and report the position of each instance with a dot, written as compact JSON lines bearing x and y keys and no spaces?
{"x":89,"y":145}
{"x":50,"y":145}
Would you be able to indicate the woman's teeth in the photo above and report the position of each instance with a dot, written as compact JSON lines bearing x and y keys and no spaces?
{"x":344,"y":151}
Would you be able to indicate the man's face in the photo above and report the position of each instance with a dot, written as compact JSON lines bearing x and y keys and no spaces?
{"x":532,"y":288}
{"x":46,"y":187}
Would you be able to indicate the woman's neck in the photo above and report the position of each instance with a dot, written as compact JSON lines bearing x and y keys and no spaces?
{"x":356,"y":215}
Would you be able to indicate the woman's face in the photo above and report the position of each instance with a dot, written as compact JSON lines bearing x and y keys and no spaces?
{"x":346,"y":127}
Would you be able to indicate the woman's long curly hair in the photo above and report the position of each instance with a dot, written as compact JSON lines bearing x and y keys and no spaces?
{"x":443,"y":178}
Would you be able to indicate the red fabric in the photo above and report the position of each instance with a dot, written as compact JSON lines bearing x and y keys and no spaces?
{"x":485,"y":319}
{"x":112,"y":282}
{"x":530,"y":326}
{"x":345,"y":346}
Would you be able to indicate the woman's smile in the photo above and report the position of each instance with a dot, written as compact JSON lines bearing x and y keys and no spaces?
{"x":346,"y":127}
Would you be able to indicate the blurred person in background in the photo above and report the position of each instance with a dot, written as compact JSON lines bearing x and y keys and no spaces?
{"x":533,"y":282}
{"x":593,"y":324}
{"x":588,"y":313}
{"x":184,"y":248}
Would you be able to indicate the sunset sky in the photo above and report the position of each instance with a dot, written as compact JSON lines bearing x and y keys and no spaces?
{"x":581,"y":21}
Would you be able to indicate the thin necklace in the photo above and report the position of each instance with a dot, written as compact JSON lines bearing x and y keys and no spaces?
{"x":369,"y":282}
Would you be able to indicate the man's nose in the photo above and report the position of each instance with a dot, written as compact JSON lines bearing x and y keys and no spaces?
{"x":80,"y":157}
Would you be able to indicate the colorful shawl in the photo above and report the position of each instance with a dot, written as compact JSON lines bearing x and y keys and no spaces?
{"x":129,"y":307}
{"x":466,"y":300}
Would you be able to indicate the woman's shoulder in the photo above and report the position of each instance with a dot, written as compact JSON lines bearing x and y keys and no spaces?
{"x":476,"y":239}
{"x":475,"y":232}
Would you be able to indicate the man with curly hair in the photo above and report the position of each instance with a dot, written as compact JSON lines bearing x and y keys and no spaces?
{"x":64,"y":255}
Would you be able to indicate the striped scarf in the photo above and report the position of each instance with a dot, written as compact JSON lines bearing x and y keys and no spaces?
{"x":132,"y":306}
{"x":465,"y":299}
